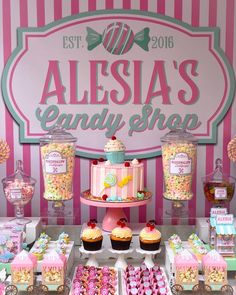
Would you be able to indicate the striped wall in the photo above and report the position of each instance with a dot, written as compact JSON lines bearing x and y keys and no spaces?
{"x":36,"y":13}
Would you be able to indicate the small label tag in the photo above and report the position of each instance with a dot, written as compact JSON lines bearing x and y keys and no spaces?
{"x":55,"y":163}
{"x":220,"y":193}
{"x":225,"y":219}
{"x":218,"y":211}
{"x":181,"y":164}
{"x":16,"y":194}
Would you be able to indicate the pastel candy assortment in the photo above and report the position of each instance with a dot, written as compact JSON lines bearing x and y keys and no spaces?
{"x":90,"y":280}
{"x":144,"y":281}
{"x":58,"y":182}
{"x":178,"y":185}
{"x":26,"y":191}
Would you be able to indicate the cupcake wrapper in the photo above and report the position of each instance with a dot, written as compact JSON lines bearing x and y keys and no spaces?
{"x":115,"y":157}
{"x":150,"y":247}
{"x":120,"y":245}
{"x":92,"y":246}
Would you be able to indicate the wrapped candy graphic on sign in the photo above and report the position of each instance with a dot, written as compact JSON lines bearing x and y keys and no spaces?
{"x":118,"y":38}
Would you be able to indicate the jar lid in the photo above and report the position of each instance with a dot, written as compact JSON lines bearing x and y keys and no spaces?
{"x":58,"y":134}
{"x":218,"y":174}
{"x":179,"y":134}
{"x":19,"y":175}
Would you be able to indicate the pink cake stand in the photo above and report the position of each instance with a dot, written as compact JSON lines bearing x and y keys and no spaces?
{"x":115,"y":210}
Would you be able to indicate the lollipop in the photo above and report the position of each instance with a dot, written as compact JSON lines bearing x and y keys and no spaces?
{"x":118,"y":38}
{"x":110,"y":180}
{"x":4,"y":151}
{"x":231,"y":148}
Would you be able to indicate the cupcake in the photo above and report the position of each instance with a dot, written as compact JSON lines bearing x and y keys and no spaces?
{"x":92,"y":237}
{"x":121,"y":236}
{"x":38,"y":253}
{"x":64,"y":237}
{"x":150,"y":237}
{"x":115,"y":151}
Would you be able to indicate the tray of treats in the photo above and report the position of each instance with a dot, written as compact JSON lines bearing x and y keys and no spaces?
{"x":44,"y":245}
{"x":145,"y":281}
{"x":91,"y":280}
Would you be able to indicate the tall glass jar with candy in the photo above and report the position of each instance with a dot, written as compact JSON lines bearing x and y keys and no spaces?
{"x":19,"y":190}
{"x":179,"y":151}
{"x":58,"y":157}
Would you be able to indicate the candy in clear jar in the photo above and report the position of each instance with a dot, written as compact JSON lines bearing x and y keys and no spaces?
{"x":58,"y":156}
{"x":19,"y":189}
{"x":218,"y":186}
{"x":179,"y":151}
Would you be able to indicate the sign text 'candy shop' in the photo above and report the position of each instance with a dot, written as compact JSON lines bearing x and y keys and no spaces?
{"x":130,"y":74}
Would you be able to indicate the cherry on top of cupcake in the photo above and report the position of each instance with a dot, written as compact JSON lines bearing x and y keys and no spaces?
{"x":92,"y":223}
{"x":151,"y":225}
{"x":122,"y":222}
{"x":113,"y":137}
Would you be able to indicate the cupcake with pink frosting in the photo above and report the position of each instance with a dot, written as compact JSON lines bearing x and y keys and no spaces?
{"x":150,"y":237}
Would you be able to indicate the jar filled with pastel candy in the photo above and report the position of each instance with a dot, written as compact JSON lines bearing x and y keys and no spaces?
{"x":58,"y":157}
{"x":218,"y":186}
{"x":19,"y":189}
{"x":179,"y":151}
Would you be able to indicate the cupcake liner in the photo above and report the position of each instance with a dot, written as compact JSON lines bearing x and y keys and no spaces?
{"x":92,"y":246}
{"x":115,"y":157}
{"x":120,"y":245}
{"x":150,"y":246}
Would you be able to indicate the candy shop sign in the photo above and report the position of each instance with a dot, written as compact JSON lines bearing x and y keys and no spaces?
{"x":125,"y":73}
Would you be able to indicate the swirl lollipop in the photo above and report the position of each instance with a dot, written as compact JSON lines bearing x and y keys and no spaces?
{"x":231,"y":148}
{"x":4,"y":151}
{"x":110,"y":180}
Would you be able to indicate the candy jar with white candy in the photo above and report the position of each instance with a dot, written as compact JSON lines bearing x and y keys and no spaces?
{"x":19,"y":190}
{"x":179,"y":151}
{"x":58,"y":157}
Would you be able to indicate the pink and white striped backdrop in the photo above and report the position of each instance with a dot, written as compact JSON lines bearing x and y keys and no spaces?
{"x":36,"y":13}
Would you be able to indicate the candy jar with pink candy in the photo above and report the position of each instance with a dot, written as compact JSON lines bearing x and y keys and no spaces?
{"x":19,"y":190}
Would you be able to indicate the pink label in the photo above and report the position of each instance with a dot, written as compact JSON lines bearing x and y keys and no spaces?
{"x":225,"y":219}
{"x":181,"y":164}
{"x":220,"y":193}
{"x":55,"y":163}
{"x":15,"y":194}
{"x":218,"y":211}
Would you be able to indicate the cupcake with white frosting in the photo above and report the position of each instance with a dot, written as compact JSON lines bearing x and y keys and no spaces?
{"x":92,"y":236}
{"x":150,"y":237}
{"x":115,"y":151}
{"x":121,"y":236}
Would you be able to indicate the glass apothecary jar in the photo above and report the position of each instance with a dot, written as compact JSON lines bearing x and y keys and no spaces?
{"x":58,"y":157}
{"x":19,"y":190}
{"x":179,"y":151}
{"x":218,"y":186}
